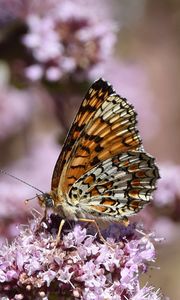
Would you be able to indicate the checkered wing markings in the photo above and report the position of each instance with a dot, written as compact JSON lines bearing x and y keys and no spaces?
{"x":119,"y":186}
{"x":108,"y":131}
{"x":95,"y":96}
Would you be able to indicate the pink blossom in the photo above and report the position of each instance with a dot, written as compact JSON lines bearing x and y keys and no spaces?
{"x":33,"y":265}
{"x":147,"y":293}
{"x":77,"y":39}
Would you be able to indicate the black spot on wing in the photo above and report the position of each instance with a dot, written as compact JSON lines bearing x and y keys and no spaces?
{"x":98,"y":148}
{"x":85,"y":149}
{"x":95,"y":161}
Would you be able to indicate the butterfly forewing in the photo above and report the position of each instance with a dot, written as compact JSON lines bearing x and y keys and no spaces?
{"x":95,"y":96}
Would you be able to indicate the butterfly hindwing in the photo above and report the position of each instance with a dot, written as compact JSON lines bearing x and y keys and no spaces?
{"x":117,"y":187}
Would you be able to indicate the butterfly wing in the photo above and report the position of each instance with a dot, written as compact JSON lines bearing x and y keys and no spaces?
{"x":117,"y":187}
{"x":95,"y":96}
{"x":104,"y":127}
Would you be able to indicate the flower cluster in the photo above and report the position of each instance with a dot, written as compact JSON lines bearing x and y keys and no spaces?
{"x":70,"y":39}
{"x":78,"y":267}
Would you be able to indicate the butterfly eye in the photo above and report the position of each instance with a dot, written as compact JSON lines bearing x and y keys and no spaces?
{"x":46,"y":200}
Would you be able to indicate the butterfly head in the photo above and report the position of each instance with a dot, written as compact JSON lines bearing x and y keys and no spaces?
{"x":46,"y":200}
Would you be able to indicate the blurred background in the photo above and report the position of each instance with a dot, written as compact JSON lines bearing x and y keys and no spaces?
{"x":50,"y":53}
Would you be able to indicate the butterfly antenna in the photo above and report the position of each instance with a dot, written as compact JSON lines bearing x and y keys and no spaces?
{"x":12,"y":176}
{"x":29,"y":199}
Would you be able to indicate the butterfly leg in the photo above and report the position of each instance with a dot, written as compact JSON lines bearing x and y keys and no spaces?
{"x":125,"y":221}
{"x":59,"y":232}
{"x":97,"y":227}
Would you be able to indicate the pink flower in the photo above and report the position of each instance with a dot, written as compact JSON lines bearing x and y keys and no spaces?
{"x":77,"y":39}
{"x":148,"y":293}
{"x":34,"y":265}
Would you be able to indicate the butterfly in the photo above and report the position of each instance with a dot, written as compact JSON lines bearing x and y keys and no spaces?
{"x":103,"y":172}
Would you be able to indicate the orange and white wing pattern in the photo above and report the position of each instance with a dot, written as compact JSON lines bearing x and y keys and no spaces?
{"x":117,"y":187}
{"x":104,"y":141}
{"x":96,"y":95}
